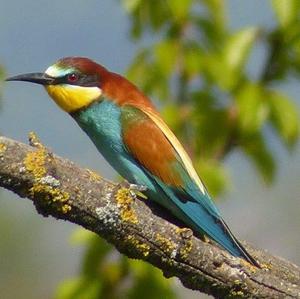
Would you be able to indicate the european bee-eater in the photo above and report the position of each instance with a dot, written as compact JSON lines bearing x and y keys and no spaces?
{"x":128,"y":131}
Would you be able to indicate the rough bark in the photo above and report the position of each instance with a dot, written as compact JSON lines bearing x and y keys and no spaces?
{"x":59,"y":188}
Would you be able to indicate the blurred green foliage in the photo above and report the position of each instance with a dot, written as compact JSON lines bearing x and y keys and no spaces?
{"x":109,"y":275}
{"x":199,"y":70}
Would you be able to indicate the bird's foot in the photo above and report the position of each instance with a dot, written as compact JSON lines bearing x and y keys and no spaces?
{"x":135,"y":190}
{"x":136,"y":187}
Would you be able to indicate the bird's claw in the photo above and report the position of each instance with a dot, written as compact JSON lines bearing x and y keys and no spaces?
{"x":136,"y":190}
{"x":135,"y":187}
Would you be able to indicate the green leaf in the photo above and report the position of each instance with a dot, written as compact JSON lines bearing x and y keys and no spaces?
{"x":211,"y":123}
{"x":286,"y":11}
{"x":166,"y":54}
{"x":284,"y":116}
{"x":131,"y":5}
{"x":95,"y":254}
{"x":79,"y":288}
{"x":225,"y":67}
{"x":252,"y":108}
{"x":213,"y":175}
{"x":179,"y":8}
{"x":171,"y":116}
{"x":138,"y":66}
{"x":81,"y":236}
{"x":217,"y":12}
{"x":149,"y":76}
{"x":193,"y":59}
{"x":256,"y":149}
{"x":238,"y":46}
{"x":157,"y":15}
{"x":148,"y":282}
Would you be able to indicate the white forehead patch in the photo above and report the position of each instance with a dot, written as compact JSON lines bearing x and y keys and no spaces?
{"x":55,"y":71}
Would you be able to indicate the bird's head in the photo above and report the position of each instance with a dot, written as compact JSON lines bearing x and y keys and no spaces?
{"x":76,"y":82}
{"x":72,"y":82}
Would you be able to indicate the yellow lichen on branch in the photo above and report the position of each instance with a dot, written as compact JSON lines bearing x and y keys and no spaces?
{"x":94,"y":175}
{"x":187,"y":243}
{"x":35,"y":163}
{"x":141,"y":247}
{"x":2,"y":148}
{"x":124,"y":201}
{"x":54,"y":185}
{"x":167,"y":245}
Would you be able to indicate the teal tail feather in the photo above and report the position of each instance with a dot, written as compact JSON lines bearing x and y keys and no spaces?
{"x":199,"y":212}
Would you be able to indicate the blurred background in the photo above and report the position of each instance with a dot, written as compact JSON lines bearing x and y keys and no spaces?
{"x":225,"y":75}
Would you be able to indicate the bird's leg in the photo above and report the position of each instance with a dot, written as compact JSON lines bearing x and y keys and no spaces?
{"x":136,"y":187}
{"x":135,"y":190}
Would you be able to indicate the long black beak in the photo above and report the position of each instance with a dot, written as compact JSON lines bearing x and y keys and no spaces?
{"x":39,"y":78}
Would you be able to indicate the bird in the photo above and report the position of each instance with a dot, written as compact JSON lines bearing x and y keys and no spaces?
{"x":129,"y":132}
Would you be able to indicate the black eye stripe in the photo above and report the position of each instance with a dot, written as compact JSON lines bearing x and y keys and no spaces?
{"x":83,"y":80}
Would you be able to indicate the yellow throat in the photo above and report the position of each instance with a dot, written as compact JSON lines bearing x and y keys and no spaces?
{"x":72,"y":97}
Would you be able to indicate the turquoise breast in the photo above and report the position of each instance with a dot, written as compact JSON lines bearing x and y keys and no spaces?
{"x":101,"y":122}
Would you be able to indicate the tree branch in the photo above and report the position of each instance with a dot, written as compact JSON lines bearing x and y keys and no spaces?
{"x":59,"y":188}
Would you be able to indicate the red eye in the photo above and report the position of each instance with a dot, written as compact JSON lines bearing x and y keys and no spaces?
{"x":72,"y":77}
